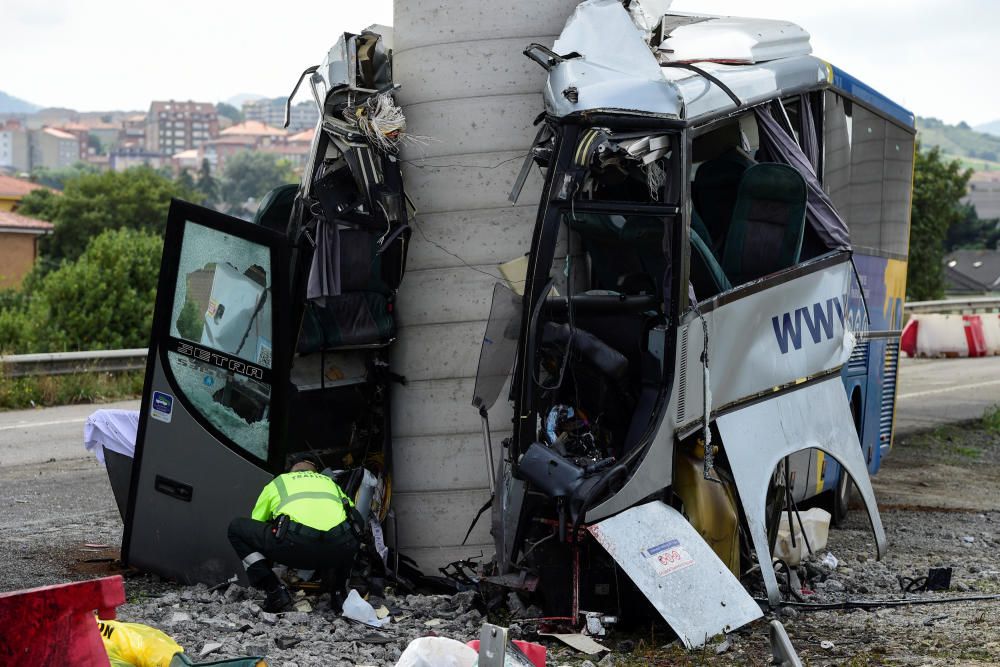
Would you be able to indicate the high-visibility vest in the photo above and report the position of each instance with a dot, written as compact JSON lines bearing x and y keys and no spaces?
{"x":307,"y":497}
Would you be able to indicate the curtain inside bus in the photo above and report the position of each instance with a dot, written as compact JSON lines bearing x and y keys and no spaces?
{"x":778,"y":145}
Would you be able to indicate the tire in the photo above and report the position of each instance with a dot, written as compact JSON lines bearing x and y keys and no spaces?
{"x":845,"y":487}
{"x":842,"y":498}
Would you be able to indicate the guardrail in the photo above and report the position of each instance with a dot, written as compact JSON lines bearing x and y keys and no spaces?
{"x":968,"y":306}
{"x":112,"y":361}
{"x":64,"y":363}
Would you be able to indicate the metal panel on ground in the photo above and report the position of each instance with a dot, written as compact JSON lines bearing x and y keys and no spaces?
{"x":757,"y":437}
{"x":677,"y":571}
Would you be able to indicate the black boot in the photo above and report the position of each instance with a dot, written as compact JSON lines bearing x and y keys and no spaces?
{"x":277,"y":600}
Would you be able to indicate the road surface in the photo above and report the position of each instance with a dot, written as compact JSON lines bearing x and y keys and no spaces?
{"x":36,"y":436}
{"x":931,"y":392}
{"x":939,"y":391}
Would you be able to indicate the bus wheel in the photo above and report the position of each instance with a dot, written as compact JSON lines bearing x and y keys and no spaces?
{"x":845,"y":487}
{"x":842,"y":498}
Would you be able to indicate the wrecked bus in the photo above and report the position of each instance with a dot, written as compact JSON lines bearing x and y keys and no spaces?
{"x":271,"y":339}
{"x":702,"y":335}
{"x":707,"y":325}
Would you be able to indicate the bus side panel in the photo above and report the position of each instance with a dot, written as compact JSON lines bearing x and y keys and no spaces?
{"x":865,"y":372}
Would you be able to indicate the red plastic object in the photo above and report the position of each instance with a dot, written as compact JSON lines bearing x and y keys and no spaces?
{"x":974,"y":335}
{"x":54,"y":625}
{"x":908,"y":340}
{"x":534,"y":652}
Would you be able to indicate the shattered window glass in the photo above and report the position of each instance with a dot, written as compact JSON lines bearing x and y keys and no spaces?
{"x":222,"y":304}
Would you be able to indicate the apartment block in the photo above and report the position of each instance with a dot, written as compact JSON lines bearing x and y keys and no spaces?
{"x":272,"y":112}
{"x":172,"y":127}
{"x":14,"y":153}
{"x":53,"y":149}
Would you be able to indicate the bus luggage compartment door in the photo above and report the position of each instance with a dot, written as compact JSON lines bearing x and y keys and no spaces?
{"x":212,"y":408}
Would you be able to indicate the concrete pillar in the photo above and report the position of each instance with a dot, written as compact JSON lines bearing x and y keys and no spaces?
{"x":470,"y":91}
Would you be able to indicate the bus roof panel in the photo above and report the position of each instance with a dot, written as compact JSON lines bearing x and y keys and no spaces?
{"x":848,"y":84}
{"x":611,"y":66}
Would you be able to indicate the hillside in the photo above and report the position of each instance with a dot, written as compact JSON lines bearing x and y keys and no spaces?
{"x":989,"y":128}
{"x":975,"y":149}
{"x":11,"y":104}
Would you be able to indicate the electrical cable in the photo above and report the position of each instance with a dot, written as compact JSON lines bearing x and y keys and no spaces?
{"x":875,"y":604}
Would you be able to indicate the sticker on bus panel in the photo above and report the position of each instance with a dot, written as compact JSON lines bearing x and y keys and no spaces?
{"x":162,"y":407}
{"x":668,"y":557}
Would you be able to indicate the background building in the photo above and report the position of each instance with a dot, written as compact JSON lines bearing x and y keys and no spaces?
{"x":54,"y":149}
{"x":172,"y":127}
{"x":14,"y":153}
{"x":18,"y":246}
{"x":272,"y":112}
{"x":972,"y":272}
{"x":12,"y":190}
{"x":984,"y":194}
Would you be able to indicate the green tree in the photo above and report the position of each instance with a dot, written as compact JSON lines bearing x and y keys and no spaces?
{"x":206,"y":184}
{"x":57,"y":178}
{"x":190,"y":321}
{"x":938,"y":187}
{"x":970,"y":231}
{"x":229,"y":111}
{"x":92,"y":203}
{"x":251,"y":175}
{"x":185,"y":182}
{"x":93,"y":141}
{"x":102,"y":300}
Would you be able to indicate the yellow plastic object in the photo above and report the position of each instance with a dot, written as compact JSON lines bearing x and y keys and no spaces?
{"x":709,"y":506}
{"x":137,"y":645}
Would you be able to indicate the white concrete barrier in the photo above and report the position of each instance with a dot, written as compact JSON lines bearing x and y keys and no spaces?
{"x":941,"y":336}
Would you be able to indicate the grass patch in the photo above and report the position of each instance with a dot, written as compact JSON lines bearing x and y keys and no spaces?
{"x":49,"y":390}
{"x":991,"y":420}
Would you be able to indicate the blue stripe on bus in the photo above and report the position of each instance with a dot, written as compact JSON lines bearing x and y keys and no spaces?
{"x":847,"y":83}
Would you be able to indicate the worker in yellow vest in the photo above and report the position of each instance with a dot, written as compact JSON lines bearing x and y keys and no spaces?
{"x":303,"y":520}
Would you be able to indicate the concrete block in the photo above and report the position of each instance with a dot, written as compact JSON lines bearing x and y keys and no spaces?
{"x":473,"y":125}
{"x":484,"y":236}
{"x":424,"y":22}
{"x":490,"y":69}
{"x":446,"y":295}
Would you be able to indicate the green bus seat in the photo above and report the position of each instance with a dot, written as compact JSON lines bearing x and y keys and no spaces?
{"x":276,"y":208}
{"x":713,"y":194}
{"x":707,"y":276}
{"x":768,"y":223}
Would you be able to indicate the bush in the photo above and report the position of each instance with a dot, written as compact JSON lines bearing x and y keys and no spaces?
{"x":103,"y":300}
{"x":93,"y":203}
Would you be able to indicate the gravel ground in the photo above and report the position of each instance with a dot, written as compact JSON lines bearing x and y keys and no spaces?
{"x":941,"y":508}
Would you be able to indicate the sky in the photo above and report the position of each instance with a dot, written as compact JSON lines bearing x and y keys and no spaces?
{"x":936,"y":57}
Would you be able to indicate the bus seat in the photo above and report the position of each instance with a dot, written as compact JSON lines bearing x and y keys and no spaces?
{"x":707,"y":276}
{"x":276,"y":208}
{"x":361,"y":315}
{"x":765,"y":234}
{"x":611,"y":256}
{"x":713,"y":194}
{"x":698,"y":226}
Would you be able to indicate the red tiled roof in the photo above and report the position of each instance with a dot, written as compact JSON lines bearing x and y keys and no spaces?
{"x":253,"y":128}
{"x":306,"y":136}
{"x":10,"y":220}
{"x":59,"y":134}
{"x":16,"y":187}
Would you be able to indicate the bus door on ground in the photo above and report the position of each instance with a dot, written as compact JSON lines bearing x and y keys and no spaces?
{"x":212,"y":410}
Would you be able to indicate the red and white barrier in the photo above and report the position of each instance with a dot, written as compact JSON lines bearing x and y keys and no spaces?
{"x":929,"y":335}
{"x":991,"y":331}
{"x":55,"y":625}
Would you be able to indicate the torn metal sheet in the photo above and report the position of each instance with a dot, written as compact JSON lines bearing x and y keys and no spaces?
{"x":677,"y":571}
{"x":693,"y":38}
{"x":605,"y":56}
{"x":579,"y":643}
{"x":758,"y":437}
{"x":769,"y":333}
